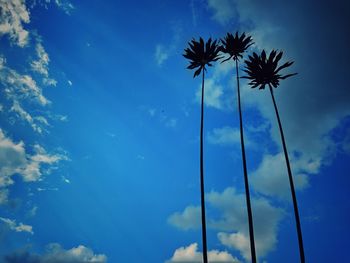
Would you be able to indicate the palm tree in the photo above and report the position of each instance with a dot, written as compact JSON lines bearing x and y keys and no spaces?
{"x":235,"y":46}
{"x":201,"y":55}
{"x":263,"y":70}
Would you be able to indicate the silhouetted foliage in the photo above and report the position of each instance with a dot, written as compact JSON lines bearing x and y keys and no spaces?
{"x":263,"y":70}
{"x":235,"y":45}
{"x":201,"y":54}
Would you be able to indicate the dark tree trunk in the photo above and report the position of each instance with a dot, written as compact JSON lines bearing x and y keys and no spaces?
{"x":290,"y":176}
{"x":246,"y":182}
{"x":204,"y":231}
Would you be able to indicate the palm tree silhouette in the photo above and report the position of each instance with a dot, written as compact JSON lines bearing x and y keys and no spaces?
{"x":263,"y":70}
{"x":201,"y":55}
{"x":235,"y":46}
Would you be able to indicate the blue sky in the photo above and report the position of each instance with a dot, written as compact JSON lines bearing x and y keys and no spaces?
{"x":99,"y":132}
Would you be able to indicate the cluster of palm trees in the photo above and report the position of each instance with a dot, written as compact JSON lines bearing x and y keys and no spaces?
{"x":262,"y":70}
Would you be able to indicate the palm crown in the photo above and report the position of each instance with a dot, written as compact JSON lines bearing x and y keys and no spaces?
{"x":236,"y":45}
{"x":263,"y":70}
{"x":201,"y":54}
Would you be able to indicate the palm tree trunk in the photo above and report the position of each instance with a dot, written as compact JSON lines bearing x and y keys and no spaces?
{"x":204,"y":231}
{"x":295,"y":204}
{"x":246,"y":182}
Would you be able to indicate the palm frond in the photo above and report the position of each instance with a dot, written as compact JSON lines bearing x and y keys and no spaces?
{"x":235,"y":45}
{"x":263,"y":69}
{"x":201,"y":54}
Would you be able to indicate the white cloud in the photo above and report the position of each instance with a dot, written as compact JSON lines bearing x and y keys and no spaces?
{"x":224,"y":136}
{"x":213,"y":94}
{"x":232,"y":223}
{"x":188,"y":219}
{"x":164,"y":51}
{"x":194,"y":13}
{"x":217,"y":95}
{"x":23,"y":88}
{"x":17,"y":227}
{"x":161,"y":54}
{"x":32,"y":212}
{"x":21,"y":93}
{"x":4,"y":195}
{"x":22,"y":114}
{"x":19,"y":87}
{"x":65,"y":5}
{"x":15,"y":160}
{"x":271,"y":177}
{"x":13,"y":14}
{"x":190,"y":254}
{"x":41,"y":65}
{"x":12,"y":159}
{"x":32,"y":171}
{"x":56,"y":254}
{"x":224,"y":10}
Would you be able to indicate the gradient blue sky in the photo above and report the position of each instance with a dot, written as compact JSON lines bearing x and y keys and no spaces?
{"x":99,"y":132}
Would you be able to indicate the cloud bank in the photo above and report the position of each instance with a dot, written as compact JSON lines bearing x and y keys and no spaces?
{"x":56,"y":254}
{"x":231,"y":222}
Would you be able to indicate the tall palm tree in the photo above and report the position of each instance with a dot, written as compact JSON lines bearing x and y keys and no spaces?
{"x":235,"y":46}
{"x":201,"y":55}
{"x":263,"y":70}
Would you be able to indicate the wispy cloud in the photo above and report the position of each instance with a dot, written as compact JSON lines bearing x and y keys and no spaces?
{"x":14,"y":159}
{"x":23,"y":89}
{"x":161,"y":54}
{"x":11,"y":224}
{"x":224,"y":136}
{"x":13,"y":16}
{"x":161,"y":116}
{"x":32,"y":212}
{"x":65,"y":5}
{"x":171,"y":123}
{"x":20,"y":87}
{"x":140,"y":157}
{"x":223,"y":10}
{"x":41,"y":65}
{"x":164,"y":51}
{"x":194,"y":13}
{"x":22,"y":114}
